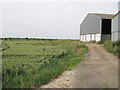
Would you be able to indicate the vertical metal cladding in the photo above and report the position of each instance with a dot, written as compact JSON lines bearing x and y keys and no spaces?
{"x":116,"y":27}
{"x":90,"y":37}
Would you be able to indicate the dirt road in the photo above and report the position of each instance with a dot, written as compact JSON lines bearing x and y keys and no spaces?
{"x":99,"y":70}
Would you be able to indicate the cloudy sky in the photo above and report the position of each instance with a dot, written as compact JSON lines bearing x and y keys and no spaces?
{"x":55,"y":19}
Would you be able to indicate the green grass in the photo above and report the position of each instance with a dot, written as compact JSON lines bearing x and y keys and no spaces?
{"x":112,"y":47}
{"x":30,"y":64}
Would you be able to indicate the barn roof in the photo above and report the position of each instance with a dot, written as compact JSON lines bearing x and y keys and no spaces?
{"x":104,"y":16}
{"x":116,"y":14}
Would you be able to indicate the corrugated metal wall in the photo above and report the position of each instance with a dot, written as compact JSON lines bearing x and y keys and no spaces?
{"x":116,"y":28}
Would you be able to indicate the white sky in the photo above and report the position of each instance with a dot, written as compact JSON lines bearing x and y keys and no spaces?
{"x":51,"y":19}
{"x":59,"y":0}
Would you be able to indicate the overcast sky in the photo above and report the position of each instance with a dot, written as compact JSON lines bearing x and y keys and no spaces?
{"x":53,"y":19}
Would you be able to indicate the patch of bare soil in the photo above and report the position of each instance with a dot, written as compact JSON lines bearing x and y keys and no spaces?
{"x":99,"y":70}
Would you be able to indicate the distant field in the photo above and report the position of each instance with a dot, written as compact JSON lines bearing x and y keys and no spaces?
{"x":32,"y":63}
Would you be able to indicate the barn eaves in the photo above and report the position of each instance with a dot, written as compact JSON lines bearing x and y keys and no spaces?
{"x":104,"y":16}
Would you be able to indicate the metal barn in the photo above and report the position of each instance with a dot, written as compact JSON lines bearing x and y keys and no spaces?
{"x":96,"y":27}
{"x":116,"y":27}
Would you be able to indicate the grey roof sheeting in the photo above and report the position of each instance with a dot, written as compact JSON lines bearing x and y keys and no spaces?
{"x":116,"y":14}
{"x":104,"y":16}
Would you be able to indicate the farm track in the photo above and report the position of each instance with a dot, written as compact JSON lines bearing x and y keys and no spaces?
{"x":99,"y":70}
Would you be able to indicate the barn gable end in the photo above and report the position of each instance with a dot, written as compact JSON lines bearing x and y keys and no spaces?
{"x":96,"y":27}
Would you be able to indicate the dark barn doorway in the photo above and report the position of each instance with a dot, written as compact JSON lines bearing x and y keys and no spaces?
{"x":106,"y":29}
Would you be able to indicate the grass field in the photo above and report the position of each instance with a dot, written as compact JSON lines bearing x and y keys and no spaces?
{"x":32,"y":63}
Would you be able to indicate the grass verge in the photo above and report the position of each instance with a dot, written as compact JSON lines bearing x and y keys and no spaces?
{"x":112,"y":47}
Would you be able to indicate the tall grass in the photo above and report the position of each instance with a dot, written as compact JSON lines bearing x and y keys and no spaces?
{"x":30,"y":64}
{"x":113,"y":47}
